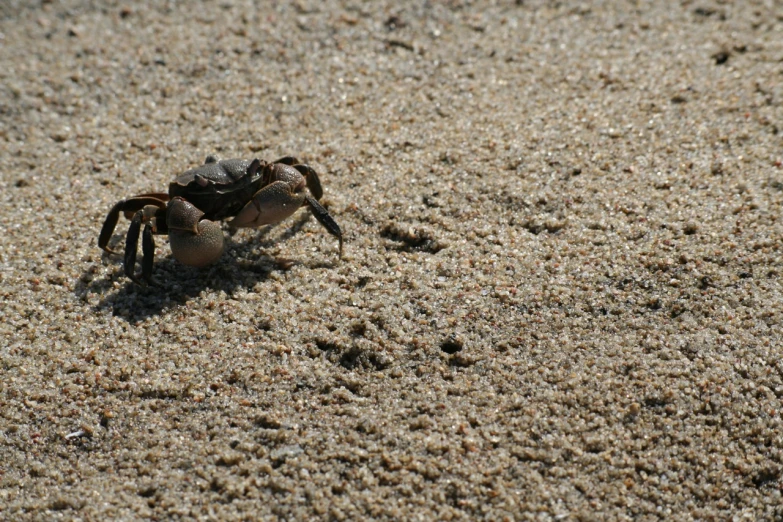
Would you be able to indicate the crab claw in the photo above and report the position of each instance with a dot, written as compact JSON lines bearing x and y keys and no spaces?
{"x":271,"y":204}
{"x":193,"y":241}
{"x":285,"y":192}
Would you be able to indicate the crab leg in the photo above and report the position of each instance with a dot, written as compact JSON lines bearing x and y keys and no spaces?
{"x":287,"y":160}
{"x":148,"y":250}
{"x":142,"y":216}
{"x":323,"y":217}
{"x":131,"y":243}
{"x":130,"y":205}
{"x":313,"y":182}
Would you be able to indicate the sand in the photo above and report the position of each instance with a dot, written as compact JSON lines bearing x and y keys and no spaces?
{"x":560,"y":297}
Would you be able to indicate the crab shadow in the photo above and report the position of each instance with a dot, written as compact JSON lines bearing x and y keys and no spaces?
{"x":175,"y":285}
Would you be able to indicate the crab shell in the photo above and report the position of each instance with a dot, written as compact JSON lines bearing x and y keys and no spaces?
{"x":220,"y":189}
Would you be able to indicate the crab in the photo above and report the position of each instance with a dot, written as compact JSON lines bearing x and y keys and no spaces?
{"x":250,"y":193}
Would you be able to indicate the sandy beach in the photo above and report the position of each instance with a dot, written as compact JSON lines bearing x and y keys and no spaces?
{"x":560,"y":296}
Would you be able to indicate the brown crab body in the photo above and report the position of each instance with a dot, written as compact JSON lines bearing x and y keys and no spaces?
{"x":253,"y":193}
